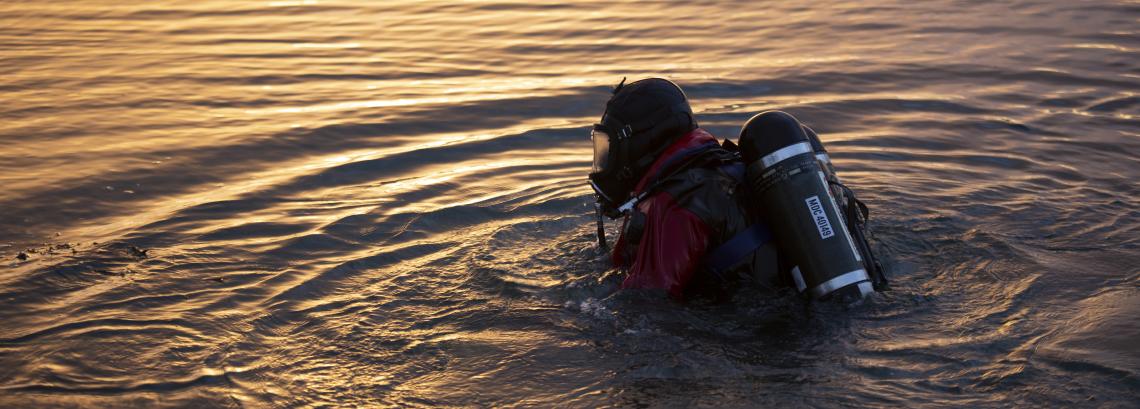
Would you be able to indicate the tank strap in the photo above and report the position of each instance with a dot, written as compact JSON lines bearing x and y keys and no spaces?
{"x":856,"y":214}
{"x":735,"y":249}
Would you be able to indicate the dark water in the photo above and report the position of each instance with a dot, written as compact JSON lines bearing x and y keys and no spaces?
{"x":326,"y":203}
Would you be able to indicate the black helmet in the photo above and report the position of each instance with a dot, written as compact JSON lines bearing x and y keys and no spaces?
{"x":640,"y":121}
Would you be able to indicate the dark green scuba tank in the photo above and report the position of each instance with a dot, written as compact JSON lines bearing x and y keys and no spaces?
{"x":854,"y":212}
{"x":796,"y":199}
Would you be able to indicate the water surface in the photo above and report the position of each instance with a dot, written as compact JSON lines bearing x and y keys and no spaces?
{"x":339,"y":203}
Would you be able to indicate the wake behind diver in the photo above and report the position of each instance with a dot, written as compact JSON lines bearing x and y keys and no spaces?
{"x":700,"y":216}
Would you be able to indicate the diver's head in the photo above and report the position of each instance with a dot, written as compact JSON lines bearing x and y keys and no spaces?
{"x":641,"y":119}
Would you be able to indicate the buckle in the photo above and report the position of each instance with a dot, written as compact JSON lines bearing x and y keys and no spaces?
{"x":625,"y":132}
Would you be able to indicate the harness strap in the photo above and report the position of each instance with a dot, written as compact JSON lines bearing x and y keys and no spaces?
{"x":692,"y":157}
{"x":736,"y":248}
{"x":734,"y":170}
{"x":856,"y":213}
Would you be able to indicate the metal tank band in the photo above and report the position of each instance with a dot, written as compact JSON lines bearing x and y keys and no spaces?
{"x":840,"y":281}
{"x":786,"y":152}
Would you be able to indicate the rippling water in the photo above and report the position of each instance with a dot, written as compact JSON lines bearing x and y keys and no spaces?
{"x":334,"y":203}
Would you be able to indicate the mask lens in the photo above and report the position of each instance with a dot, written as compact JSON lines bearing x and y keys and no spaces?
{"x":601,"y":149}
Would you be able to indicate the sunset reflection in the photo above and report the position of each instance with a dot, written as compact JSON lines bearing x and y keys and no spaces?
{"x":384,"y":204}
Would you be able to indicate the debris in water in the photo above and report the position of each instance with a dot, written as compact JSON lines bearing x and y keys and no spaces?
{"x":137,"y":252}
{"x":22,"y":256}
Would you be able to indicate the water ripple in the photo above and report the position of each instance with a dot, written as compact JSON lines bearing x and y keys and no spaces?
{"x":320,"y":203}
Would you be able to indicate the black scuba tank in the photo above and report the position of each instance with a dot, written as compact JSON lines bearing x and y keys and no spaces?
{"x":853,"y":211}
{"x":790,"y":185}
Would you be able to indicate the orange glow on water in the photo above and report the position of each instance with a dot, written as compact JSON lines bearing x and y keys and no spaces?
{"x":382,"y":203}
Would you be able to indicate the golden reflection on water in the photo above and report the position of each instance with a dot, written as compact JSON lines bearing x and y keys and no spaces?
{"x":352,"y":202}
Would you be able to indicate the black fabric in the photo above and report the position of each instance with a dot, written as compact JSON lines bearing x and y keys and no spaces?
{"x":704,"y":182}
{"x":712,"y":196}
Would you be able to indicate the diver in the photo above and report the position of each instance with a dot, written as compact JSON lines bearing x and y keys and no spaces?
{"x":699,"y":215}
